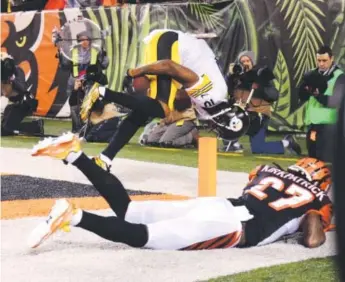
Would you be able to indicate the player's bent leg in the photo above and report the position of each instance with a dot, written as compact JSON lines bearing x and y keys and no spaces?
{"x":115,"y":229}
{"x":107,"y":184}
{"x":211,"y":224}
{"x":130,"y":125}
{"x":67,"y":147}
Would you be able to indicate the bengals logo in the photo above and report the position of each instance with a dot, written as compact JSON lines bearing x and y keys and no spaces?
{"x":27,"y":38}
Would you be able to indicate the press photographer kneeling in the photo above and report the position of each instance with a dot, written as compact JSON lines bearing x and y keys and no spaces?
{"x":244,"y":77}
{"x":21,"y":102}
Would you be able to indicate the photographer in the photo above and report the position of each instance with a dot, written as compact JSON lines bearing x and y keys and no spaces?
{"x":85,"y":58}
{"x":21,"y":102}
{"x":322,"y":88}
{"x":242,"y":78}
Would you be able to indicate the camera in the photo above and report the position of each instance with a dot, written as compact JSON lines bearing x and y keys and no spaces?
{"x":238,"y":69}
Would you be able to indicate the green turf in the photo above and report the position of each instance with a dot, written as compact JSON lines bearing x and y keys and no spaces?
{"x":312,"y":270}
{"x":188,"y":157}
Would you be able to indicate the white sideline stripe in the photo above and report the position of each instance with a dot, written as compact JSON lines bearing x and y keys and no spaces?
{"x":135,"y":175}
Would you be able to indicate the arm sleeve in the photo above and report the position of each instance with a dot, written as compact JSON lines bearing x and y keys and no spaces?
{"x":19,"y":83}
{"x":271,"y":94}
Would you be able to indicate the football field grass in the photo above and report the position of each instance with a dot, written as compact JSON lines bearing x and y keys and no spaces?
{"x":309,"y":270}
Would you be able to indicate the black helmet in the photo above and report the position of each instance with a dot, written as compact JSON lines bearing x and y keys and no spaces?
{"x":231,"y":123}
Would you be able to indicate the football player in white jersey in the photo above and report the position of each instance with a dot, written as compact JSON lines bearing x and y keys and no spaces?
{"x":181,"y":70}
{"x":274,"y":203}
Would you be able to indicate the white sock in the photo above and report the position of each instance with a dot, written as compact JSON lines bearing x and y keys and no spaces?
{"x":73,"y":156}
{"x":285,"y":143}
{"x":76,"y":218}
{"x":101,"y":90}
{"x":105,"y":159}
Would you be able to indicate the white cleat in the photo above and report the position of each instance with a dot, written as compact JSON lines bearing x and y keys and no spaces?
{"x":59,"y":218}
{"x":58,"y":147}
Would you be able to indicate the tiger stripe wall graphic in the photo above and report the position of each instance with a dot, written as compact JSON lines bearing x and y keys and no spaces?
{"x":284,"y":34}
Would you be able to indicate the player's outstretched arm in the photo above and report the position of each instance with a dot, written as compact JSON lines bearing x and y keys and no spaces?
{"x":180,"y":73}
{"x":313,"y":232}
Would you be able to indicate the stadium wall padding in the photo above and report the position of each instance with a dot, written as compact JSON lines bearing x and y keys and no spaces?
{"x":284,"y":34}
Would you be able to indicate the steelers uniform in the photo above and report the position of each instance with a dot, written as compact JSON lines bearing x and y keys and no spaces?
{"x":279,"y":200}
{"x":192,"y":53}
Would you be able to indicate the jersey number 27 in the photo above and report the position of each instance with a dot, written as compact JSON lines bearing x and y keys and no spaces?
{"x":298,"y":195}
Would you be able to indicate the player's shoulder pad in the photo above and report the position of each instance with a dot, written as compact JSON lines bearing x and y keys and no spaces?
{"x":254,"y":172}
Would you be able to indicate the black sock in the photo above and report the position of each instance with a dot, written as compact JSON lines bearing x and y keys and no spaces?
{"x":107,"y":184}
{"x":121,"y":137}
{"x":115,"y":229}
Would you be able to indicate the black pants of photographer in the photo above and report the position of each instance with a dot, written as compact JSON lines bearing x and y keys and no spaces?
{"x":103,"y":131}
{"x":77,"y":124}
{"x":320,"y":141}
{"x":143,"y":109}
{"x":12,"y":121}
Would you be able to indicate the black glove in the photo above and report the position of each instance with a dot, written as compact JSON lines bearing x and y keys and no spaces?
{"x":30,"y":101}
{"x":314,"y":80}
{"x":128,"y":84}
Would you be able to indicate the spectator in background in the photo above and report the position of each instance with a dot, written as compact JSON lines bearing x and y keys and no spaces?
{"x":21,"y":102}
{"x":178,"y":129}
{"x":322,"y":89}
{"x":84,"y":57}
{"x":242,"y":77}
{"x":84,"y":54}
{"x":104,"y":122}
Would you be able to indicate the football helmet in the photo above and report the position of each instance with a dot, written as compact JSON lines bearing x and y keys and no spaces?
{"x":231,"y":122}
{"x":313,"y":170}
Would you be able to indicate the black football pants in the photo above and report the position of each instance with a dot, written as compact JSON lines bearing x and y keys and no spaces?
{"x":113,"y":228}
{"x":143,"y":109}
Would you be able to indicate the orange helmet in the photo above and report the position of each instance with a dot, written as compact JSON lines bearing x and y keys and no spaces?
{"x":313,"y":170}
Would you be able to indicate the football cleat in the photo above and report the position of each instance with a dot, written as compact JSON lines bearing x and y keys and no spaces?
{"x":90,"y":98}
{"x":58,"y":218}
{"x":59,"y":147}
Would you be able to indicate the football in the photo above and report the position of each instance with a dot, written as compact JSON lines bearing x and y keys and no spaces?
{"x":141,"y":83}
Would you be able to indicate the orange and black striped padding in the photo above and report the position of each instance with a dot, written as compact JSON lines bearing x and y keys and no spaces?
{"x":222,"y":242}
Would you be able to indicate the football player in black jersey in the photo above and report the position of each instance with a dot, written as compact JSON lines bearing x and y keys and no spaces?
{"x":274,"y":203}
{"x":282,"y":202}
